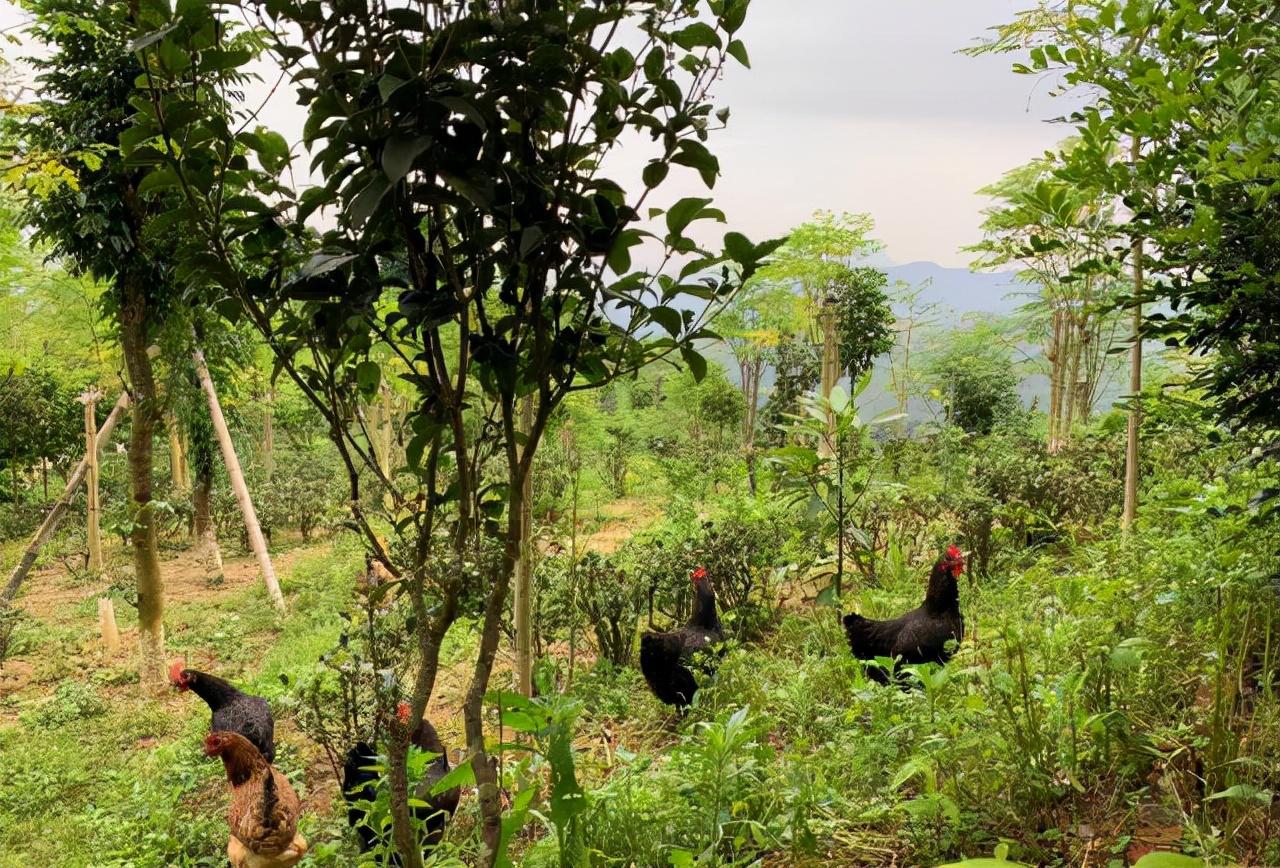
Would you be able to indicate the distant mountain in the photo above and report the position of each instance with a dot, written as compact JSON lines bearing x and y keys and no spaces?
{"x":962,"y":290}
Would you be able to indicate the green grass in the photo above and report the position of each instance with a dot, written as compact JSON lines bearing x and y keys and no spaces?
{"x":119,"y":778}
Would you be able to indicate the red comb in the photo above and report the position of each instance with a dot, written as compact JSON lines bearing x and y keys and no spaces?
{"x":175,"y":672}
{"x":954,"y":553}
{"x":699,"y":573}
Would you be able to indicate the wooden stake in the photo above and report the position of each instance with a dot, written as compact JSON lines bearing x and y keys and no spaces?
{"x":50,"y":523}
{"x":90,"y":401}
{"x":254,"y":530}
{"x":107,"y":621}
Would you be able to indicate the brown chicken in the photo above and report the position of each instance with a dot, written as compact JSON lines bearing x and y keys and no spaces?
{"x":264,"y":807}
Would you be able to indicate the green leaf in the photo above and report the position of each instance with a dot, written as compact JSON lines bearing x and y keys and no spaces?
{"x":161,"y":179}
{"x":1168,"y":860}
{"x":368,"y":375}
{"x":152,"y":38}
{"x":697,"y":364}
{"x":365,"y":202}
{"x":669,"y":318}
{"x":738,"y":52}
{"x":685,"y":212}
{"x":399,"y":153}
{"x":461,"y":775}
{"x":655,"y":173}
{"x":828,"y":597}
{"x":839,"y":399}
{"x":697,"y":35}
{"x":1243,"y":793}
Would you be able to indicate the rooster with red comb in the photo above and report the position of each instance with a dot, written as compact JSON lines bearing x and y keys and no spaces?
{"x":928,"y":634}
{"x":665,"y":657}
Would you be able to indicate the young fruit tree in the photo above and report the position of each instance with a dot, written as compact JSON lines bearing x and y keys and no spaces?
{"x":94,"y":214}
{"x":474,"y":236}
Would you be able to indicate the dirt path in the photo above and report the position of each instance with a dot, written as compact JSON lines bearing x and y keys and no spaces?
{"x":623,"y":519}
{"x":64,"y":601}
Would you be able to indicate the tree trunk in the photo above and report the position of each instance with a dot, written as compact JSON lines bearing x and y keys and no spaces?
{"x":208,"y":551}
{"x":146,"y":415}
{"x":830,"y":373}
{"x":1135,"y":382}
{"x":486,"y":773}
{"x":1071,"y":379}
{"x":90,"y":401}
{"x":177,"y":457}
{"x":50,"y":523}
{"x":269,"y":435}
{"x":751,"y":372}
{"x":524,"y":571}
{"x":251,"y":526}
{"x":1056,"y":359}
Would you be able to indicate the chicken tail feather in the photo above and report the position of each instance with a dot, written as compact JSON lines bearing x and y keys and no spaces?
{"x":269,"y":796}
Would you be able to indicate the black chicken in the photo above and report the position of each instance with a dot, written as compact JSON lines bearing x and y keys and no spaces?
{"x":664,"y":657}
{"x":359,"y":782}
{"x":233,"y":711}
{"x":921,"y":635}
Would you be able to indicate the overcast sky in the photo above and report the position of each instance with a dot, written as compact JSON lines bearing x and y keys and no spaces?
{"x":856,"y":105}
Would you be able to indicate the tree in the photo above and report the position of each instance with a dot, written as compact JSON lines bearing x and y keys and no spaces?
{"x":1182,"y":107}
{"x":1060,"y":234}
{"x":798,"y":370}
{"x":841,"y":303}
{"x":40,"y":424}
{"x":758,"y":319}
{"x":476,"y":240}
{"x":98,"y":219}
{"x":916,"y":314}
{"x":973,"y":375}
{"x":864,"y":320}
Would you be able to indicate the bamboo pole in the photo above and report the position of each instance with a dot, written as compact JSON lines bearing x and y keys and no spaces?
{"x":254,"y":530}
{"x":107,"y":621}
{"x":50,"y":523}
{"x":90,"y":401}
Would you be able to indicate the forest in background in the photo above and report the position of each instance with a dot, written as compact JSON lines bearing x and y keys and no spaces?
{"x":429,"y":431}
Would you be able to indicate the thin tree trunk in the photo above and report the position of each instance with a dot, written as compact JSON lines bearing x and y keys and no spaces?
{"x":90,"y":401}
{"x":485,"y":768}
{"x":1075,"y":347}
{"x":830,"y":373}
{"x":1055,"y":356}
{"x":146,"y":415}
{"x":59,"y":509}
{"x":751,"y":371}
{"x":1135,"y":381}
{"x":208,"y":551}
{"x":251,"y":526}
{"x":573,"y":579}
{"x":524,"y":572}
{"x":269,"y":435}
{"x":177,"y":457}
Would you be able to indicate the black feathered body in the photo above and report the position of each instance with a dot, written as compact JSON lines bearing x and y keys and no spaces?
{"x":234,"y":711}
{"x":665,"y":657}
{"x":920,"y":636}
{"x":360,"y":783}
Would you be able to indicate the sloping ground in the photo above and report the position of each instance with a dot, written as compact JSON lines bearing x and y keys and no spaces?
{"x":622,"y":519}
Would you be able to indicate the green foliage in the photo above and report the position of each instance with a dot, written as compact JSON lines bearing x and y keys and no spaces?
{"x":972,"y":374}
{"x":39,"y":421}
